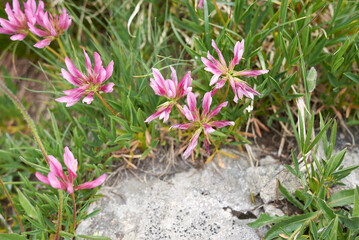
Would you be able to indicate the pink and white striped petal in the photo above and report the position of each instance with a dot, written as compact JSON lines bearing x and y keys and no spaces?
{"x":192,"y":145}
{"x":217,"y":110}
{"x":238,"y":53}
{"x":206,"y":103}
{"x":253,"y":73}
{"x":192,"y":102}
{"x":221,"y":124}
{"x":182,"y":126}
{"x":221,"y":58}
{"x":107,"y":88}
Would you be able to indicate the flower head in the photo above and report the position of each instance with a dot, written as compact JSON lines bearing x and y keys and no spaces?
{"x":52,"y":27}
{"x":87,"y":84}
{"x":227,"y":73}
{"x":201,"y":121}
{"x":170,"y":89}
{"x":57,"y":179}
{"x":17,"y":25}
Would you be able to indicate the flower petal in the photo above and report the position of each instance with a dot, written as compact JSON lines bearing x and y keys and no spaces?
{"x":211,"y":67}
{"x":174,"y":76}
{"x":221,"y":58}
{"x":217,"y":110}
{"x":95,"y":183}
{"x":184,"y":87}
{"x":43,"y":43}
{"x":109,"y":70}
{"x":253,"y":73}
{"x":208,"y":128}
{"x":206,"y":104}
{"x":71,"y":164}
{"x":72,"y":69}
{"x":88,"y":99}
{"x":107,"y":88}
{"x":98,"y":64}
{"x":238,"y":53}
{"x":18,"y":37}
{"x":56,"y":167}
{"x":200,"y":4}
{"x":55,"y":182}
{"x":88,"y":63}
{"x":221,"y":124}
{"x":42,"y":178}
{"x":192,"y":102}
{"x":192,"y":145}
{"x":71,"y":79}
{"x":214,"y":79}
{"x":182,"y":126}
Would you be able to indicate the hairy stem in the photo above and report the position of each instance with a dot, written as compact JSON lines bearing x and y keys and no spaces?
{"x":59,"y":216}
{"x":106,"y":104}
{"x":12,"y":205}
{"x":27,"y":118}
{"x":74,"y":211}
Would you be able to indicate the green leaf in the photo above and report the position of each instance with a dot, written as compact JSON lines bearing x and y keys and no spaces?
{"x":265,"y":219}
{"x":27,"y":206}
{"x":290,"y":197}
{"x":289,"y":225}
{"x":351,"y":223}
{"x":11,"y":236}
{"x":342,"y":198}
{"x":334,"y":233}
{"x":356,"y":203}
{"x":326,"y":209}
{"x":352,"y":77}
{"x":311,"y":79}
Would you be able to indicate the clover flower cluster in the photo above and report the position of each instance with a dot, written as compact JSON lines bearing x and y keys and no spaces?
{"x":33,"y":19}
{"x":202,"y":122}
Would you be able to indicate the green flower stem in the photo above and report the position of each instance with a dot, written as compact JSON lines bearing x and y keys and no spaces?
{"x":49,"y":48}
{"x":74,"y":212}
{"x":226,"y":92}
{"x":59,"y":216}
{"x":12,"y":205}
{"x":61,"y":47}
{"x":106,"y":104}
{"x":27,"y":118}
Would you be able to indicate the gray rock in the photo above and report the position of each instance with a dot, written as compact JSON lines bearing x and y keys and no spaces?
{"x":351,"y":158}
{"x":263,"y":181}
{"x":188,"y":206}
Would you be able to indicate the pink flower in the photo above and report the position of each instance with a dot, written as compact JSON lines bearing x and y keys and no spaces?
{"x":57,"y":179}
{"x":201,"y":121}
{"x":87,"y":85}
{"x":51,"y":27}
{"x":200,"y":4}
{"x":17,"y":25}
{"x":169,"y":89}
{"x":219,"y":68}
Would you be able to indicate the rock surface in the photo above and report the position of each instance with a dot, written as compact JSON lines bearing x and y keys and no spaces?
{"x":209,"y":203}
{"x":198,"y":204}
